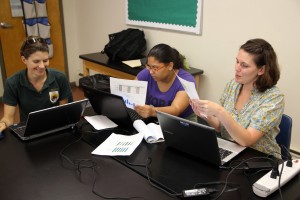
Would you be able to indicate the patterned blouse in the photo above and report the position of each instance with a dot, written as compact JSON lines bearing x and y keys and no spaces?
{"x":263,"y":112}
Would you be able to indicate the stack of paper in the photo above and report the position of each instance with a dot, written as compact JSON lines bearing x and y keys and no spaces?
{"x":133,"y":63}
{"x":100,"y":122}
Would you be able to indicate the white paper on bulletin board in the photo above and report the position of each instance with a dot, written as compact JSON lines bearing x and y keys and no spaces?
{"x":180,"y":15}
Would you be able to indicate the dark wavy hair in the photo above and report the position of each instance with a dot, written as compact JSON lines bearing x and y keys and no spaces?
{"x":264,"y":56}
{"x":33,"y":44}
{"x":166,"y":54}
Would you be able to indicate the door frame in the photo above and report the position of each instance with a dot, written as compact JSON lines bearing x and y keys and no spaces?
{"x":2,"y":65}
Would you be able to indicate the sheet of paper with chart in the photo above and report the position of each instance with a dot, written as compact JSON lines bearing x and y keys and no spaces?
{"x":189,"y":87}
{"x":132,"y":91}
{"x":119,"y":145}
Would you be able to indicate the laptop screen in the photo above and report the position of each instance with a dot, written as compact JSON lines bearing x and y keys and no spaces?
{"x":55,"y":117}
{"x":109,"y":105}
{"x":50,"y":120}
{"x":190,"y":137}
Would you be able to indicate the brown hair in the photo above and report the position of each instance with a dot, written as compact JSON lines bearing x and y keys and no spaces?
{"x":33,"y":44}
{"x":264,"y":56}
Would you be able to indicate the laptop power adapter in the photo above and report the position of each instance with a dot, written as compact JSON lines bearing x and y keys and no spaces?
{"x":190,"y":194}
{"x":259,"y":165}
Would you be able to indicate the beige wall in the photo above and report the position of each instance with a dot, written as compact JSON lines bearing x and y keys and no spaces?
{"x":226,"y":25}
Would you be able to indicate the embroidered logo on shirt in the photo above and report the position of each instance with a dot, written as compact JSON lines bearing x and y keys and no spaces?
{"x":54,"y":95}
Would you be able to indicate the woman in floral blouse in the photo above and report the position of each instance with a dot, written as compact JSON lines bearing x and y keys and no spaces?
{"x":251,"y":105}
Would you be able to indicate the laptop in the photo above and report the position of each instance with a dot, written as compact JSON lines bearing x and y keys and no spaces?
{"x":50,"y":120}
{"x":111,"y":106}
{"x":196,"y":139}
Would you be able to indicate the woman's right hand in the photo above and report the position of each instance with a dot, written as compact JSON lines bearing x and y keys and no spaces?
{"x":195,"y":104}
{"x":3,"y":126}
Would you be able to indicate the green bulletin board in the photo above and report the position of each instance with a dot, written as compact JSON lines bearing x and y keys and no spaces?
{"x":181,"y":15}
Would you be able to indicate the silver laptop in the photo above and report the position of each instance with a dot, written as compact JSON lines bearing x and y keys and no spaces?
{"x":196,"y":139}
{"x":50,"y":120}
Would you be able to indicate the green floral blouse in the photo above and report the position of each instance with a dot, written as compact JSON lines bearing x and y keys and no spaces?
{"x":263,"y":112}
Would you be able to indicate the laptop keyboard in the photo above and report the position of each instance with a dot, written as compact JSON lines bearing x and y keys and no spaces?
{"x":133,"y":114}
{"x":224,"y":153}
{"x":20,"y":130}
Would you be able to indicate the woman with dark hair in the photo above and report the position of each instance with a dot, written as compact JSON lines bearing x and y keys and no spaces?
{"x":36,"y":87}
{"x":165,"y":92}
{"x":251,"y":105}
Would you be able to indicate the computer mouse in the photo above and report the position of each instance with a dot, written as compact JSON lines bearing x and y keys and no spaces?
{"x":1,"y":135}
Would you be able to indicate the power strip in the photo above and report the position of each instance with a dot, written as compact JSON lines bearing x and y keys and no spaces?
{"x":267,"y":185}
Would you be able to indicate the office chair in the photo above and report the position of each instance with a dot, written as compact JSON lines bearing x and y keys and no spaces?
{"x":284,"y":135}
{"x":70,"y":99}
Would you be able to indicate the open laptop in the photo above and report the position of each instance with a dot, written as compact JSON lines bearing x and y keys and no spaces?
{"x":50,"y":120}
{"x":196,"y":139}
{"x":111,"y":106}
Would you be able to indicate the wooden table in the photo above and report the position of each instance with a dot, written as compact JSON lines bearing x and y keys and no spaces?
{"x":100,"y":63}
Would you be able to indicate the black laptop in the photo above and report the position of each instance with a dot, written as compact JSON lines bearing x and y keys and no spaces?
{"x":50,"y":120}
{"x":111,"y":106}
{"x":196,"y":139}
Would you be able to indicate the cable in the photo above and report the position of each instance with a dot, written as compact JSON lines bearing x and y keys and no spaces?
{"x":226,"y":185}
{"x":232,"y":186}
{"x":80,"y":164}
{"x":148,"y":162}
{"x":288,"y":156}
{"x":133,"y":164}
{"x":232,"y":170}
{"x":279,"y":187}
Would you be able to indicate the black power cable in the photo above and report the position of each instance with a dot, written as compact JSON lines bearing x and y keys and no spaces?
{"x":80,"y":164}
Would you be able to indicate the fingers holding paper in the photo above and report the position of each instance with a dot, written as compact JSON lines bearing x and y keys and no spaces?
{"x":204,"y":108}
{"x":145,"y":110}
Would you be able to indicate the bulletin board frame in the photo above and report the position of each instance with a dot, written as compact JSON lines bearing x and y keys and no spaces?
{"x":178,"y":15}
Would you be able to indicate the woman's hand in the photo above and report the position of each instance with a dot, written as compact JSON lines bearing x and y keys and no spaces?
{"x":195,"y":104}
{"x":145,"y":111}
{"x":204,"y":108}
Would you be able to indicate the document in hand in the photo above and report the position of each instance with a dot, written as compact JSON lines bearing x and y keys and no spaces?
{"x":133,"y":91}
{"x":152,"y":132}
{"x":189,"y":87}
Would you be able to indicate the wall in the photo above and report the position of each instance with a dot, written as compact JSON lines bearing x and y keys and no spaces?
{"x":226,"y":25}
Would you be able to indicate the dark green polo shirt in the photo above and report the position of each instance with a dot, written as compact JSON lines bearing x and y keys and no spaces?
{"x":18,"y":91}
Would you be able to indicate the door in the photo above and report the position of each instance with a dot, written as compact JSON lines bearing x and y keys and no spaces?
{"x":12,"y":34}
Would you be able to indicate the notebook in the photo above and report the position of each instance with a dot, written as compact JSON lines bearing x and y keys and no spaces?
{"x":50,"y":120}
{"x":111,"y":106}
{"x":196,"y":139}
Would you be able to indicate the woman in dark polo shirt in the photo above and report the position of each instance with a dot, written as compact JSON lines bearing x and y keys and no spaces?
{"x":36,"y":87}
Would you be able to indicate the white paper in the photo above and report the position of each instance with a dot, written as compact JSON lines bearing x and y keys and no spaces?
{"x":119,"y":145}
{"x":100,"y":122}
{"x":132,"y":91}
{"x":189,"y":87}
{"x":132,"y":63}
{"x":152,"y":132}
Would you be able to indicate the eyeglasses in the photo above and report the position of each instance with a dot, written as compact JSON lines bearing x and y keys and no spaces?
{"x":34,"y":40}
{"x":154,"y":68}
{"x":31,"y":41}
